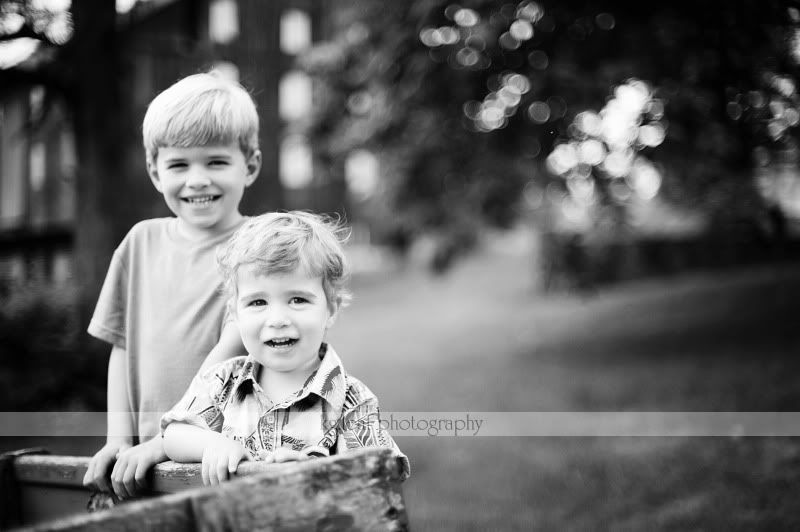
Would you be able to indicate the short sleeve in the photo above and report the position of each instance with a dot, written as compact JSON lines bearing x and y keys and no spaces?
{"x":108,"y":320}
{"x":200,"y":405}
{"x":361,"y":427}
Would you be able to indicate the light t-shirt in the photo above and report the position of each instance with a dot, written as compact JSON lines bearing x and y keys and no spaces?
{"x":162,"y":302}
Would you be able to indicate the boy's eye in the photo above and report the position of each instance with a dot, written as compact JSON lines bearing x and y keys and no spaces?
{"x":174,"y":166}
{"x":257,"y":303}
{"x":218,"y":163}
{"x":298,"y":300}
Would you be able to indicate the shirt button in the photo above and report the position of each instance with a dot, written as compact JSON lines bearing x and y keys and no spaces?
{"x":270,"y":418}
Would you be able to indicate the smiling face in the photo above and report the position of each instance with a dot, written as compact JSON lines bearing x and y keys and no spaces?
{"x":282,"y":319}
{"x":203,"y":185}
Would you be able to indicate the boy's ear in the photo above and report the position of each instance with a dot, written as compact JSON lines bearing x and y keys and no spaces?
{"x":253,"y":167}
{"x":152,"y":171}
{"x":334,"y":313}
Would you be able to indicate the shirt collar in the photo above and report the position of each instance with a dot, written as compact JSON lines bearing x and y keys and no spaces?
{"x":328,"y":381}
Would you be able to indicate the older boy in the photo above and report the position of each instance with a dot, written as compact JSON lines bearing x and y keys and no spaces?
{"x":161,"y":306}
{"x":290,"y":398}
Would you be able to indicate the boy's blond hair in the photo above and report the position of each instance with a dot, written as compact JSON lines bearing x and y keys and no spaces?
{"x":201,"y":110}
{"x":280,"y":242}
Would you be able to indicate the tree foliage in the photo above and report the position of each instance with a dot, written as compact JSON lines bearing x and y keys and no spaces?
{"x":467,"y":103}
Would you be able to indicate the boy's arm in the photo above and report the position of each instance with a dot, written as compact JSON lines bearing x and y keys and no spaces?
{"x":228,"y":346}
{"x":120,"y":426}
{"x":220,"y":456}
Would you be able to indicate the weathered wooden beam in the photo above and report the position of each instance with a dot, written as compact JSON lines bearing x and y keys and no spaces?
{"x":167,"y":477}
{"x":354,"y":491}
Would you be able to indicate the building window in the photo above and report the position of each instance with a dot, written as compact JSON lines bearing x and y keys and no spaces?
{"x":296,"y":163}
{"x":223,"y":21}
{"x":227,"y":69}
{"x":295,"y":31}
{"x":294,"y":96}
{"x":361,"y":174}
{"x":36,"y":101}
{"x":62,"y":267}
{"x":37,"y":173}
{"x":37,"y":165}
{"x":123,"y":6}
{"x":13,"y":162}
{"x":65,"y":200}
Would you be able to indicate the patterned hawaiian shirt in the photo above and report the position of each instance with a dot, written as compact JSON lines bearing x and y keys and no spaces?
{"x":332,"y":412}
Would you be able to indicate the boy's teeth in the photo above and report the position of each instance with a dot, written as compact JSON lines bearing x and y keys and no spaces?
{"x":281,"y":342}
{"x":200,"y":200}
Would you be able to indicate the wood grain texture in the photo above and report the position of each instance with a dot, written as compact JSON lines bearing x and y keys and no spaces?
{"x":354,"y":491}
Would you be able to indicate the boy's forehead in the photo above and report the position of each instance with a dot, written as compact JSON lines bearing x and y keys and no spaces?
{"x":254,"y":274}
{"x":203,"y":149}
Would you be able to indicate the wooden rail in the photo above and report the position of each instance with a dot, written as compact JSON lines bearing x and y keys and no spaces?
{"x":355,"y":491}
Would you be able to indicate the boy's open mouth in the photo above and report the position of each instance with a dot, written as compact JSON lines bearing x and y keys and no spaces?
{"x":200,"y":200}
{"x":281,"y":342}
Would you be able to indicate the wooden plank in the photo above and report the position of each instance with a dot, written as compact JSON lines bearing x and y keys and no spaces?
{"x":50,"y":469}
{"x":167,"y":477}
{"x":354,"y":491}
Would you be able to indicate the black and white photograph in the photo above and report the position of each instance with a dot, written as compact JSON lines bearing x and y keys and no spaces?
{"x":430,"y":265}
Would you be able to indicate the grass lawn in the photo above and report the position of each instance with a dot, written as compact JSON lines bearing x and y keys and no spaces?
{"x":480,"y":340}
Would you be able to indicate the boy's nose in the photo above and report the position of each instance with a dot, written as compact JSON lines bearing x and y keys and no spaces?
{"x":197,"y":180}
{"x":277,"y":320}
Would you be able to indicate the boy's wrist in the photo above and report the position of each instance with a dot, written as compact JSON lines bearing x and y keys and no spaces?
{"x":157,"y":445}
{"x":118,"y":441}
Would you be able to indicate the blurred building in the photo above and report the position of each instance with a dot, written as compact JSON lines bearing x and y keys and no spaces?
{"x":254,"y":41}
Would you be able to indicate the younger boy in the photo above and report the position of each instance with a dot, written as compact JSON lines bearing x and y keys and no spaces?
{"x":290,"y":398}
{"x":161,"y":305}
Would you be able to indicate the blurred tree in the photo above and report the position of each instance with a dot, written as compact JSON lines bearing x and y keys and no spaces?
{"x":77,"y":60}
{"x":466,"y":103}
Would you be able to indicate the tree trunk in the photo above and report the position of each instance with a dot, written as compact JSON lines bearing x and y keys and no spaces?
{"x":96,"y":100}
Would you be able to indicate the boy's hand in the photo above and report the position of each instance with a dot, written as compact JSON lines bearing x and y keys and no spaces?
{"x":281,"y":454}
{"x":96,"y":476}
{"x":221,"y":459}
{"x":128,"y":476}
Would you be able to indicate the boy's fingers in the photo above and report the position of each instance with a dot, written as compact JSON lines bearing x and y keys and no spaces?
{"x":97,"y":473}
{"x":88,"y":479}
{"x":287,"y":455}
{"x":204,"y":472}
{"x":101,"y":477}
{"x":207,"y":469}
{"x":117,"y":480}
{"x":222,"y":470}
{"x":279,"y":455}
{"x":141,"y":476}
{"x":233,"y":463}
{"x":129,"y":479}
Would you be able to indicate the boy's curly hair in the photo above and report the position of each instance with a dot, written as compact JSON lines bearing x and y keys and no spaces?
{"x":280,"y":242}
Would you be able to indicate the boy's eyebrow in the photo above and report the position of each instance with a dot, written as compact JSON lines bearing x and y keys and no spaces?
{"x":250,"y":295}
{"x":218,"y":155}
{"x":305,"y":293}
